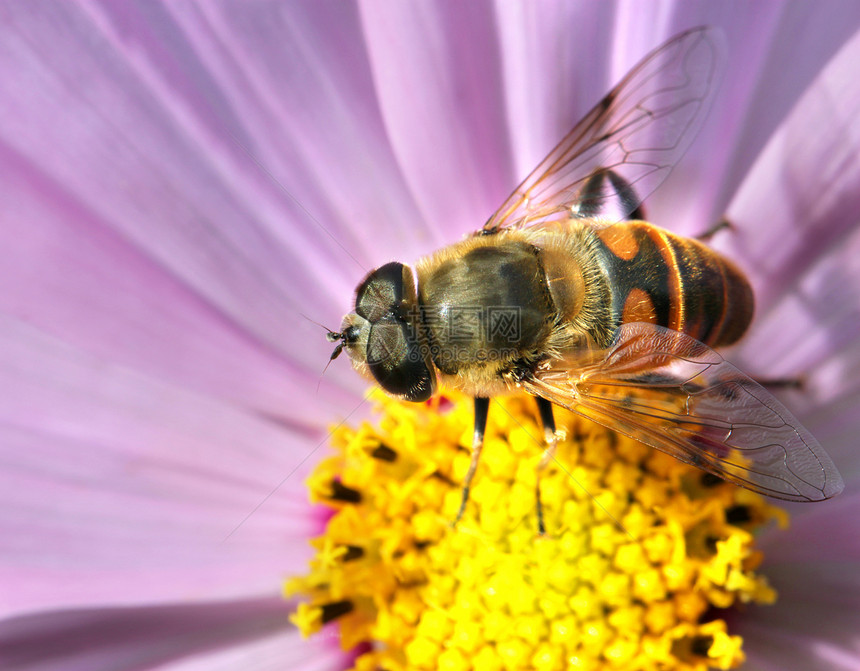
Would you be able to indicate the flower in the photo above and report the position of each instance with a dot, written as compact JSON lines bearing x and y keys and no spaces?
{"x":181,"y":181}
{"x":641,"y":547}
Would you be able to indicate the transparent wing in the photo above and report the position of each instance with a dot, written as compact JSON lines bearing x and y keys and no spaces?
{"x":626,"y":146}
{"x":671,"y":392}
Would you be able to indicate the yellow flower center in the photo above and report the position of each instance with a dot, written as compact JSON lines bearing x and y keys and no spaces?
{"x":640,"y":553}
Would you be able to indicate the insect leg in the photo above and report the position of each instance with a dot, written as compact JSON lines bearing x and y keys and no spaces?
{"x":591,"y":198}
{"x":551,"y":438}
{"x":781,"y":383}
{"x":482,"y":408}
{"x":709,"y":233}
{"x":629,"y":199}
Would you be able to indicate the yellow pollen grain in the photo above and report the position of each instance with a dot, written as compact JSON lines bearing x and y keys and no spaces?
{"x":638,"y":549}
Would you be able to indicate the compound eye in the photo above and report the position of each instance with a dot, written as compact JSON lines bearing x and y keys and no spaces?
{"x":382,"y":291}
{"x":395,"y":359}
{"x":387,"y":301}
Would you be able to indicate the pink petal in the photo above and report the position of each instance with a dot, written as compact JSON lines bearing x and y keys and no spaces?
{"x":101,"y":183}
{"x":805,"y":180}
{"x":797,"y":236}
{"x":814,"y":569}
{"x":223,"y":635}
{"x":767,"y":69}
{"x":829,"y":531}
{"x":119,"y":488}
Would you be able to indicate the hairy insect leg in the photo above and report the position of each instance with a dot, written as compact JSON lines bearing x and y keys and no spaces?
{"x":551,"y":438}
{"x":706,"y":235}
{"x":591,"y":197}
{"x":781,"y":382}
{"x":588,"y":200}
{"x":628,"y":196}
{"x":482,"y":408}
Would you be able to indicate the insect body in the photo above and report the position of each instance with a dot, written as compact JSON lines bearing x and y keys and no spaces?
{"x":496,"y":306}
{"x":566,"y":294}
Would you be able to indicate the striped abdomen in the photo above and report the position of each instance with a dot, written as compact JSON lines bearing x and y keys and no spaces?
{"x":661,"y":278}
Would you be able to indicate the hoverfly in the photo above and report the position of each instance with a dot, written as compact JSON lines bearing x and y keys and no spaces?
{"x":567,"y":294}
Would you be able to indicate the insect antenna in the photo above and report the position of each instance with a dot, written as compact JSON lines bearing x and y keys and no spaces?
{"x":327,"y":329}
{"x":331,"y":336}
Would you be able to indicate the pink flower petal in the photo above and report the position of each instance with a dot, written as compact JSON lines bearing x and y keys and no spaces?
{"x":830,"y":533}
{"x":767,"y":69}
{"x":78,"y":279}
{"x":442,"y":107}
{"x":133,"y":486}
{"x":102,"y":180}
{"x":211,"y":635}
{"x":805,"y":270}
{"x":814,"y":569}
{"x":805,"y":178}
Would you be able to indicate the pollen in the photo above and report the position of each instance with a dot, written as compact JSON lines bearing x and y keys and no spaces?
{"x":642,"y":553}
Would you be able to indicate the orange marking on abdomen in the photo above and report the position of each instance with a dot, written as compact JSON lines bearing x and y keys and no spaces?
{"x":661,"y":278}
{"x":620,"y":240}
{"x":639,"y":308}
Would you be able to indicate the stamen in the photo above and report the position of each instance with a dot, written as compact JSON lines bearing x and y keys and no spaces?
{"x":340,"y":492}
{"x":640,"y":549}
{"x":384,"y":453}
{"x":334,"y":610}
